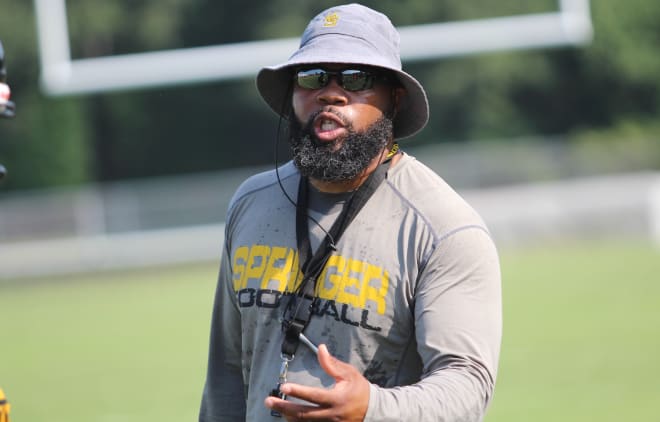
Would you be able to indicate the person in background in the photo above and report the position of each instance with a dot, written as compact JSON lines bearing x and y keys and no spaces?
{"x":7,"y":108}
{"x":5,"y":407}
{"x":354,"y":283}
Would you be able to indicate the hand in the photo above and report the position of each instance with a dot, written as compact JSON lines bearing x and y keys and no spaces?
{"x":347,"y":400}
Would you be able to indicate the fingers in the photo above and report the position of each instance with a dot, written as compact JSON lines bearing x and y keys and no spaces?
{"x":346,"y":400}
{"x":297,"y":411}
{"x":347,"y":403}
{"x":319,"y":396}
{"x":330,"y":364}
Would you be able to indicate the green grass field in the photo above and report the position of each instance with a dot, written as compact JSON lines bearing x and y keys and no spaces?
{"x":581,"y":340}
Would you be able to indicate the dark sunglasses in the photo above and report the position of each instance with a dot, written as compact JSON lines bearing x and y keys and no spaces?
{"x":349,"y":79}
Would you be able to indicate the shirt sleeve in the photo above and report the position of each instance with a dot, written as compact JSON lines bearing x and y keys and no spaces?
{"x":223,"y":398}
{"x":458,"y":327}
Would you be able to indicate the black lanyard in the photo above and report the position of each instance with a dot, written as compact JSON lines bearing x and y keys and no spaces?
{"x":298,"y":311}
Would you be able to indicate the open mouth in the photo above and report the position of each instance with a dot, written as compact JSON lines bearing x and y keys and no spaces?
{"x":328,"y":127}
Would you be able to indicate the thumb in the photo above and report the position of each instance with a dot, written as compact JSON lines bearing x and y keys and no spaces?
{"x":331,"y":365}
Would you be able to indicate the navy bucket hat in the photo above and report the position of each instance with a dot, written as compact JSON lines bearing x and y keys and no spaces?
{"x":349,"y":34}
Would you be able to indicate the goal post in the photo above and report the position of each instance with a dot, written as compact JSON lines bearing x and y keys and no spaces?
{"x":61,"y":75}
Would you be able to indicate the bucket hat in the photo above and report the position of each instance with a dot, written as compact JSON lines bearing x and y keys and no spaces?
{"x":349,"y":34}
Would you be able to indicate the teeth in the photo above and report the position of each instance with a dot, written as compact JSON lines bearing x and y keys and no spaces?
{"x":328,"y":125}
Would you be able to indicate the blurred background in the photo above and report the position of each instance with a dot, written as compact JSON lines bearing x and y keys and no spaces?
{"x":111,"y":214}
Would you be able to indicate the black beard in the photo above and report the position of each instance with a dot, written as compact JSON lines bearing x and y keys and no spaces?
{"x":319,"y":161}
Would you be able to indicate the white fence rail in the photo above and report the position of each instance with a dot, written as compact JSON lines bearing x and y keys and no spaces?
{"x":595,"y":207}
{"x":71,"y":233}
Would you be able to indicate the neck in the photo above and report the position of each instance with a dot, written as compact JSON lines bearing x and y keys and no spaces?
{"x":356,"y":182}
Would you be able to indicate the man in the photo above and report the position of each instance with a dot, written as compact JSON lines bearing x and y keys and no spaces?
{"x":353,"y":246}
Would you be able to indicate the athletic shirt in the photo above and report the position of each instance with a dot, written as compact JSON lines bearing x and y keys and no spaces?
{"x":411,"y":298}
{"x":323,"y":210}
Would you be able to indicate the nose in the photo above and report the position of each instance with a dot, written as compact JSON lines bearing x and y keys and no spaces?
{"x":332,"y":94}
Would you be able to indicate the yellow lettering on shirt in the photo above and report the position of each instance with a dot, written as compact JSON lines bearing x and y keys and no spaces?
{"x":256,"y":264}
{"x":331,"y":278}
{"x":240,"y":261}
{"x":350,"y":291}
{"x":278,"y":269}
{"x":344,"y":280}
{"x":295,"y":275}
{"x":369,"y":292}
{"x":353,"y":282}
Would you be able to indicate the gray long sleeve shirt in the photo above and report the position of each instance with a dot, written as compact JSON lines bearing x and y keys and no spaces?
{"x":411,"y":297}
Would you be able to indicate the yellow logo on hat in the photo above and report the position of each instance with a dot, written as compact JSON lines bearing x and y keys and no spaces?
{"x":331,"y":19}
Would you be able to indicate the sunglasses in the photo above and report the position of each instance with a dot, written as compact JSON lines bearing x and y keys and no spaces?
{"x":348,"y":79}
